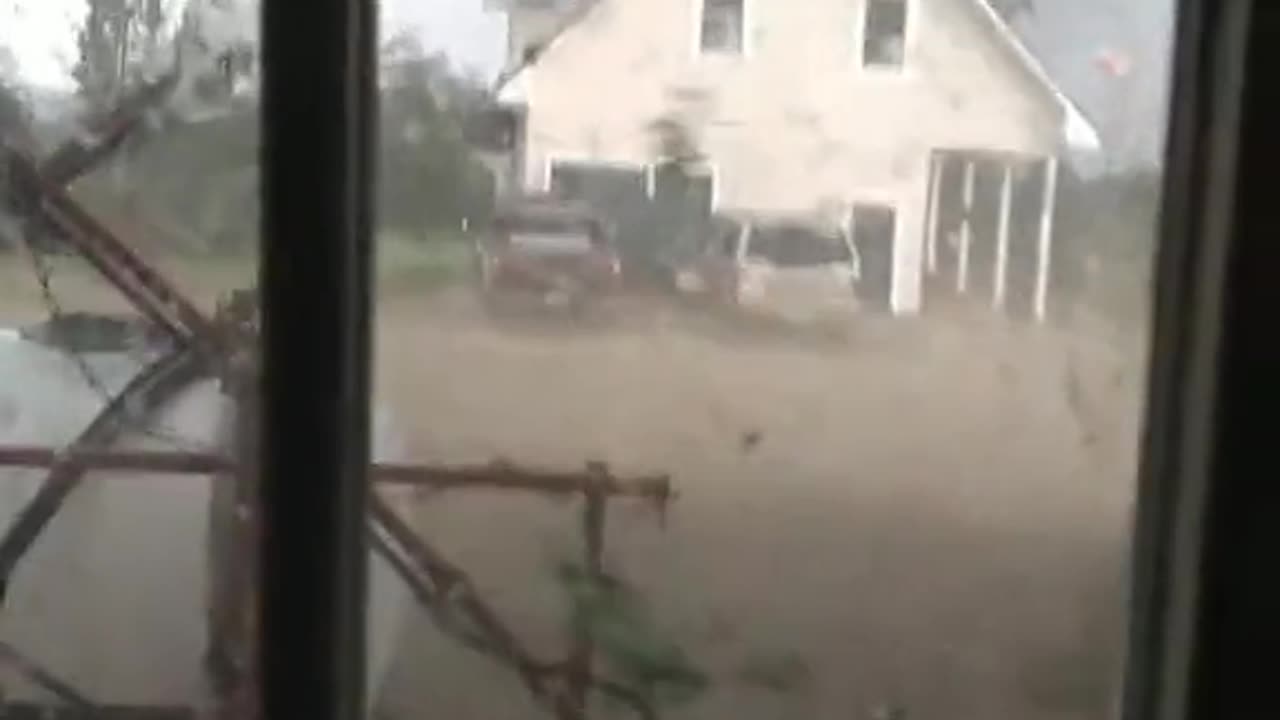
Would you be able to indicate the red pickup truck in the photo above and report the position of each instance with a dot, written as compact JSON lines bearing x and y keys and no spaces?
{"x":547,"y":253}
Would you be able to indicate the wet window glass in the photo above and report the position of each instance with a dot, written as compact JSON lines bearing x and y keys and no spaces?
{"x":633,"y":478}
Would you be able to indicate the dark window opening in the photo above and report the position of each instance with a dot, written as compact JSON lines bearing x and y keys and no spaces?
{"x":722,"y":26}
{"x":884,"y":34}
{"x":874,"y":233}
{"x":797,"y":246}
{"x":727,"y":245}
{"x":493,"y":129}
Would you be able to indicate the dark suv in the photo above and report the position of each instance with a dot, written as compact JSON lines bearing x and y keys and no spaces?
{"x":547,"y":253}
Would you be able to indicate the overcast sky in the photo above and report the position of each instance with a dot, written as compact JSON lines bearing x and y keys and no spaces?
{"x":1067,"y":35}
{"x":41,"y":33}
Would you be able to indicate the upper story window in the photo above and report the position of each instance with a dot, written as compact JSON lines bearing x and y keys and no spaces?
{"x":884,"y":34}
{"x":722,"y":26}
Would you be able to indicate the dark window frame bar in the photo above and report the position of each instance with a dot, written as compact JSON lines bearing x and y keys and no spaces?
{"x":1199,"y":561}
{"x":319,"y":85}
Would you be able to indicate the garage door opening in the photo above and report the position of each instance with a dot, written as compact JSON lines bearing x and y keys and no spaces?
{"x":874,"y":230}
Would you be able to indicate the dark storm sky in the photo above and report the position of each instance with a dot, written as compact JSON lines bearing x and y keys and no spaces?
{"x":1130,"y":112}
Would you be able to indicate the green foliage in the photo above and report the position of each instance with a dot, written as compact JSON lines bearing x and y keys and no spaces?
{"x":187,"y":187}
{"x":1106,"y":235}
{"x":13,"y":111}
{"x":414,"y":262}
{"x":428,"y":177}
{"x":781,"y":673}
{"x":630,"y":644}
{"x":194,"y":186}
{"x":114,"y":37}
{"x":105,"y":41}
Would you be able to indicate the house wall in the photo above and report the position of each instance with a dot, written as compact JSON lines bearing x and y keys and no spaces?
{"x":794,"y":124}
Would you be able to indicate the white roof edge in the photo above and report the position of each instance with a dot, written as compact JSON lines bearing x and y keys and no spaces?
{"x":1077,"y":130}
{"x":519,"y":74}
{"x":514,"y":90}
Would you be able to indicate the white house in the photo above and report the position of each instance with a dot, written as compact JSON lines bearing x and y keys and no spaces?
{"x":927,"y":119}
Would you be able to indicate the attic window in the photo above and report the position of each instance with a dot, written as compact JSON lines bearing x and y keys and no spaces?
{"x":722,"y":25}
{"x":884,"y":33}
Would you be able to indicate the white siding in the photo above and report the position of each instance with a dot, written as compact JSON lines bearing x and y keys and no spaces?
{"x":796,"y":123}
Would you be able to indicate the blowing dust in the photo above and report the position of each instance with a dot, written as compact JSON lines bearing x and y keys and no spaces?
{"x":926,"y":519}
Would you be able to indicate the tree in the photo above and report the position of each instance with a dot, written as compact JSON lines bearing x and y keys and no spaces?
{"x":104,"y":46}
{"x":427,"y":173}
{"x":1107,"y":241}
{"x":13,"y":112}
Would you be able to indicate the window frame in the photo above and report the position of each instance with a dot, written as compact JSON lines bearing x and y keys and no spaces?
{"x":1196,"y":516}
{"x":581,"y":160}
{"x":317,"y":187}
{"x":903,"y":70}
{"x":1199,"y":520}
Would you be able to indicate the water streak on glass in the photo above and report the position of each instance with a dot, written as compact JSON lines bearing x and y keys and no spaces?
{"x":735,"y":358}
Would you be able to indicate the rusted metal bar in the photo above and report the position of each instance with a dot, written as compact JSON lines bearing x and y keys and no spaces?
{"x":451,"y":583}
{"x":149,"y":389}
{"x":507,"y":476}
{"x":76,"y":156}
{"x":73,"y":704}
{"x":41,"y":677}
{"x":234,"y":532}
{"x":26,"y":199}
{"x":443,"y":588}
{"x":583,"y":651}
{"x":145,"y":288}
{"x":36,"y":711}
{"x":500,"y":476}
{"x":424,"y":591}
{"x":137,"y":461}
{"x":27,"y":196}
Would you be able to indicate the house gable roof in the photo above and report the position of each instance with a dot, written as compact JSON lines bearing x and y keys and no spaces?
{"x":1078,"y":131}
{"x":512,"y":77}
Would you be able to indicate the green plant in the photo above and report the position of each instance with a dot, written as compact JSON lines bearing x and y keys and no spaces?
{"x":634,"y":650}
{"x":781,"y":673}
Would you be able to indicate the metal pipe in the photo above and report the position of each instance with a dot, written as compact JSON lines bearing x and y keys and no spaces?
{"x":436,"y":477}
{"x":319,"y":104}
{"x":583,"y":650}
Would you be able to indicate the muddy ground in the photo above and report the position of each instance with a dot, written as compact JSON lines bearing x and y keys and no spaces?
{"x":935,"y":514}
{"x":929,"y":513}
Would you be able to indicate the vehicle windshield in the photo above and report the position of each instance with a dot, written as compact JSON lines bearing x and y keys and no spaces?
{"x":549,"y":235}
{"x":797,"y":246}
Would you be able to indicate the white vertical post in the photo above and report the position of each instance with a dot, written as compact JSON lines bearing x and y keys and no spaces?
{"x":966,"y":231}
{"x":935,"y":188}
{"x":1002,"y":236}
{"x":1044,"y":247}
